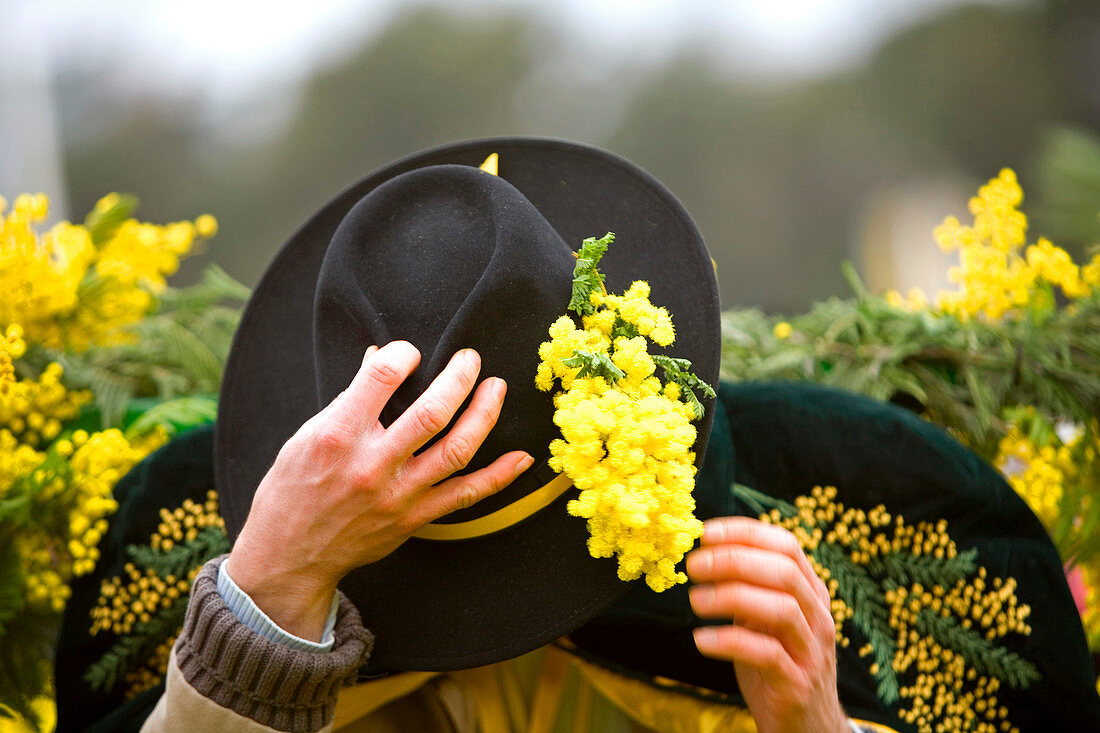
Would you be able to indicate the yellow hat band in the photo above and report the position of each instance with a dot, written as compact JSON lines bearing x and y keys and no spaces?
{"x":502,"y":518}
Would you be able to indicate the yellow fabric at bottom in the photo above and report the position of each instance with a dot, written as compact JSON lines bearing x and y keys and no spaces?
{"x":561,"y":695}
{"x":364,"y":698}
{"x":663,"y":710}
{"x":490,"y":700}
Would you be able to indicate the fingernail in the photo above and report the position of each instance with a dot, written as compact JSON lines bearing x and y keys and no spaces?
{"x":524,"y":464}
{"x":371,"y":349}
{"x":702,"y":595}
{"x":705,"y":636}
{"x":471,"y":357}
{"x":702,"y":561}
{"x":498,"y":388}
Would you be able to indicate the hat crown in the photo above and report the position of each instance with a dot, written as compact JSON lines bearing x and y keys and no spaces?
{"x":446,"y":257}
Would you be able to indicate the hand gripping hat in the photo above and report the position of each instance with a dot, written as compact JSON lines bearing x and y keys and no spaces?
{"x":434,"y":251}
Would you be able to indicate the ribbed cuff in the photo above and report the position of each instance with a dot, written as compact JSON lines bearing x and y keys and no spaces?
{"x":261,"y":679}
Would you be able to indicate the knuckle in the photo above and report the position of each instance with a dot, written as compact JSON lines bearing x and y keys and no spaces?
{"x":789,"y":544}
{"x":431,"y":417}
{"x":772,"y":656}
{"x":407,"y":522}
{"x":363,"y":477}
{"x":329,"y":440}
{"x":728,"y":596}
{"x":721,"y":558}
{"x":385,"y":374}
{"x":466,"y":495}
{"x":789,"y":575}
{"x":466,"y":378}
{"x":457,"y":452}
{"x":389,"y":505}
{"x":489,"y":415}
{"x":789,"y":610}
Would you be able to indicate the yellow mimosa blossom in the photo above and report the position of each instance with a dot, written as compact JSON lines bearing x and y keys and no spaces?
{"x":1090,"y":576}
{"x":64,"y":290}
{"x":996,"y":273}
{"x":1041,"y":472}
{"x":12,"y":346}
{"x":914,"y":642}
{"x":626,"y":437}
{"x":33,"y":410}
{"x":70,"y":292}
{"x":84,"y":482}
{"x":1037,"y":473}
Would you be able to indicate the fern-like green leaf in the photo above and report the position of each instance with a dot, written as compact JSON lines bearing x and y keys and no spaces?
{"x":863,"y":594}
{"x":980,"y":653}
{"x":905,"y":568}
{"x":594,"y":365}
{"x":762,"y":503}
{"x":208,"y":543}
{"x":587,"y":279}
{"x":102,"y":223}
{"x":175,"y":415}
{"x":133,"y":649}
{"x":679,"y":371}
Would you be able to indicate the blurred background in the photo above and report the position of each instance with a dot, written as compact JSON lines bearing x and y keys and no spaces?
{"x":799,"y":133}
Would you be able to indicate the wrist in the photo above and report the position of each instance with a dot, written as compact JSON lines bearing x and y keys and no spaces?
{"x":296,"y":600}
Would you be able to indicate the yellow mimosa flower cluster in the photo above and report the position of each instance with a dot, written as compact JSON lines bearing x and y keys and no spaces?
{"x":65,"y":290}
{"x":79,"y":472}
{"x":33,"y":410}
{"x":12,"y":346}
{"x":997,"y":273}
{"x":42,"y":716}
{"x":947,"y":692}
{"x":626,"y":441}
{"x":69,"y":291}
{"x":129,"y":601}
{"x":1038,"y":473}
{"x":1090,"y":576}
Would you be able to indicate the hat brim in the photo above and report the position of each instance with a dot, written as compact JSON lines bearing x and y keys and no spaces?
{"x":450,"y":605}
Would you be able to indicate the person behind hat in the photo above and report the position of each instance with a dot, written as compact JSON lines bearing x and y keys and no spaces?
{"x":461,"y":571}
{"x":344,"y":493}
{"x":338,"y":495}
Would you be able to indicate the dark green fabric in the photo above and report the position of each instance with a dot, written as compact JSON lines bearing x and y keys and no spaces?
{"x":181,"y":470}
{"x":784,"y":439}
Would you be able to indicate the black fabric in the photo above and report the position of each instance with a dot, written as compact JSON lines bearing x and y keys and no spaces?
{"x":785,"y":439}
{"x":178,"y":471}
{"x":436,"y":252}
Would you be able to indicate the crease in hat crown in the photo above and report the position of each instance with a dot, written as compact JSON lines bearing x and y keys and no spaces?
{"x":447,"y":257}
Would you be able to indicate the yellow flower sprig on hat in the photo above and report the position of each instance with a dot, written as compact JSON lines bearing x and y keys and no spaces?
{"x":626,"y":435}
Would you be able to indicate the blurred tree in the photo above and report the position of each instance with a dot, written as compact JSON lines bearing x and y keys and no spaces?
{"x":429,"y":79}
{"x":1069,"y":187}
{"x":776,"y":176}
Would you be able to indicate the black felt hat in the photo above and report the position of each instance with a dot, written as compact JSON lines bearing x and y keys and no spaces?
{"x":437,"y":252}
{"x":785,"y":439}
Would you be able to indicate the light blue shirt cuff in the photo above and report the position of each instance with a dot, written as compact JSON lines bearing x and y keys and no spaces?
{"x":245,"y":609}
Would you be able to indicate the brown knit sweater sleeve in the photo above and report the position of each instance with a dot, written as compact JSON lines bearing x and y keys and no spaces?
{"x":285,"y":689}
